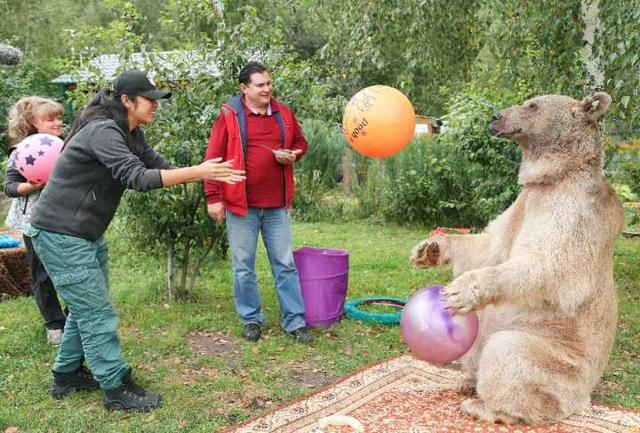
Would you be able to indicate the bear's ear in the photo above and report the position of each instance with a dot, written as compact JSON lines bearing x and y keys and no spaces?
{"x":596,"y":105}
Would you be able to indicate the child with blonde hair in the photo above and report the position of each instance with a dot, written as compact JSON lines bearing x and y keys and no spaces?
{"x":32,"y":115}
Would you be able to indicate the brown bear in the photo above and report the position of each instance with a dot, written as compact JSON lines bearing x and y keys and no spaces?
{"x":540,"y":275}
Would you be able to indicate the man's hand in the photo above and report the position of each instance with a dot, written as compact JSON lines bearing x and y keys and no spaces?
{"x":216,"y":211}
{"x":286,"y":156}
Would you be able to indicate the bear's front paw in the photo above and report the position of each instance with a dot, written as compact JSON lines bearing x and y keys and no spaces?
{"x":431,"y":252}
{"x":466,"y":293}
{"x":466,"y":386}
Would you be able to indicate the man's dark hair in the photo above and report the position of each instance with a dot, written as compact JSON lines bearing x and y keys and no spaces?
{"x":249,"y":69}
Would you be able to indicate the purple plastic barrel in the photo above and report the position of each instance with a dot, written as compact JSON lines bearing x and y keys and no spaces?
{"x":324,"y":276}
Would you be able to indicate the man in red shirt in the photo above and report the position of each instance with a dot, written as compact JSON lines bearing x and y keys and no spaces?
{"x":263,"y":138}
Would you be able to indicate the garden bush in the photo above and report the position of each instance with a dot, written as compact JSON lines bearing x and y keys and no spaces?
{"x":174,"y":220}
{"x":319,"y":172}
{"x":623,"y":163}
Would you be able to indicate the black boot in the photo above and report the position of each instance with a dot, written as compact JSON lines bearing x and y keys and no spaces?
{"x":130,"y":397}
{"x":302,"y":335}
{"x":251,"y":332}
{"x":66,"y":383}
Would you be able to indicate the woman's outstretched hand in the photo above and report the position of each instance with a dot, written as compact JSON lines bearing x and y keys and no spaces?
{"x":213,"y":169}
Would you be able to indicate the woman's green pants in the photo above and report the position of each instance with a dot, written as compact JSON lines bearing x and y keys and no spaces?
{"x":79,"y":270}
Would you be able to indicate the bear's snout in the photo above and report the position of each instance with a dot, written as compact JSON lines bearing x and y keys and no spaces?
{"x":502,"y":124}
{"x":494,"y":122}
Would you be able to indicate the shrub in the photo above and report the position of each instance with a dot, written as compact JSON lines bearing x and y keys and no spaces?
{"x":623,"y":162}
{"x":174,"y":220}
{"x":319,"y":172}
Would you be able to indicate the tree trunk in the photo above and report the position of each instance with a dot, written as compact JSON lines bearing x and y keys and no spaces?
{"x":593,"y":27}
{"x":184,"y":271}
{"x":170,"y":271}
{"x":347,"y":186}
{"x":218,"y":5}
{"x":195,"y":271}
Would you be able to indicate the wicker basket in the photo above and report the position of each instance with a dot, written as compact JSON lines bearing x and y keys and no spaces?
{"x":15,"y":277}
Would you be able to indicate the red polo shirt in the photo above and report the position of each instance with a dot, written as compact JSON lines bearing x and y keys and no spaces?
{"x":265,"y":176}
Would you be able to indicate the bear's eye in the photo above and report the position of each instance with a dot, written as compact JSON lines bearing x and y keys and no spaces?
{"x":533,"y":106}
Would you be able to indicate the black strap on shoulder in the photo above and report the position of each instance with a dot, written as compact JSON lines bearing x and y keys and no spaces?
{"x":242,"y":122}
{"x":235,"y":104}
{"x":281,"y":126}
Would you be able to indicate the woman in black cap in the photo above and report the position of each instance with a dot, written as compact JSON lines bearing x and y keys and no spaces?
{"x":105,"y":153}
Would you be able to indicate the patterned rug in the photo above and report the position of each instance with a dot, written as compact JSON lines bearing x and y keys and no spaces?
{"x":411,"y":396}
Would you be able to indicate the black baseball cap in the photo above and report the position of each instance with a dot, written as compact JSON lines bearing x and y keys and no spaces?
{"x":137,"y":83}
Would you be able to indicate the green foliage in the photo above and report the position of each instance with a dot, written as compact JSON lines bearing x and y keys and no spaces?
{"x":541,"y":43}
{"x":632,"y":172}
{"x":623,"y":163}
{"x":35,"y":28}
{"x":624,"y":172}
{"x":184,"y":24}
{"x":117,"y":35}
{"x":489,"y":163}
{"x":416,"y":46}
{"x":624,"y":192}
{"x":619,"y":49}
{"x":318,"y":172}
{"x":48,"y":30}
{"x":4,"y":161}
{"x":302,"y":24}
{"x":538,"y":43}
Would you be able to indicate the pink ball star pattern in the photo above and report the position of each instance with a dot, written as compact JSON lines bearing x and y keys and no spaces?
{"x":36,"y":155}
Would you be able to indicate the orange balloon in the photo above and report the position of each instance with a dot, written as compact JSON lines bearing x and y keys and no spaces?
{"x":379,"y":121}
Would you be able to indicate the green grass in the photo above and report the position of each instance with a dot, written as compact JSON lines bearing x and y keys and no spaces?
{"x":206,"y":393}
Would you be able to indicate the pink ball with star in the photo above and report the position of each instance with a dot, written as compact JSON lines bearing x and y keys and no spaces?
{"x":36,"y":155}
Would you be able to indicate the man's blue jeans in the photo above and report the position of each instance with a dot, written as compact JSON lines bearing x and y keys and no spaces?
{"x":242,"y":233}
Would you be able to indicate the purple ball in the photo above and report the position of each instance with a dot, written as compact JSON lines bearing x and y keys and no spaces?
{"x":431,"y":332}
